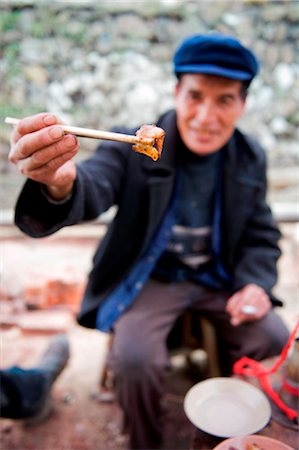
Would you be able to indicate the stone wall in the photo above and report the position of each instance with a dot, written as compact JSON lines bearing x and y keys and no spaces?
{"x":98,"y":64}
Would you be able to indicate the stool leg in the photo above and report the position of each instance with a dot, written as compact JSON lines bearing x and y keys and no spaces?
{"x":210,"y":346}
{"x":106,"y":381}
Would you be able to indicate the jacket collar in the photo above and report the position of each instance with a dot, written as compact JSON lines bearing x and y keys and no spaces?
{"x":166,"y":163}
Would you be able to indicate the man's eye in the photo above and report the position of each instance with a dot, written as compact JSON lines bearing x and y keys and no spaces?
{"x":195,"y":96}
{"x":226,"y":101}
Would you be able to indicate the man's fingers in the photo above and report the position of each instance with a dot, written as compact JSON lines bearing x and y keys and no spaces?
{"x":247,"y":295}
{"x":49,"y":158}
{"x":232,"y":302}
{"x":249,"y":303}
{"x":35,"y":123}
{"x":249,"y":313}
{"x":32,"y":142}
{"x":249,"y":310}
{"x":32,"y":124}
{"x":51,"y":172}
{"x":43,"y":153}
{"x":46,"y":155}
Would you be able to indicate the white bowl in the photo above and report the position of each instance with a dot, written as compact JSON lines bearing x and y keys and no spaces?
{"x":227,"y":407}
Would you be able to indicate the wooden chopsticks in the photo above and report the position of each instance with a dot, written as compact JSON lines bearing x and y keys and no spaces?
{"x":97,"y":134}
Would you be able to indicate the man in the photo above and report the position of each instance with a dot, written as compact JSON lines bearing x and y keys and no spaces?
{"x":193,"y":230}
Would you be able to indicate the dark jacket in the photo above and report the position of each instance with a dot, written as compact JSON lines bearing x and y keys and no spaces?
{"x":142,"y":190}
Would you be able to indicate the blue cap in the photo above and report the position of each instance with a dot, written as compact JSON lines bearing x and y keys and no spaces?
{"x":216,"y":54}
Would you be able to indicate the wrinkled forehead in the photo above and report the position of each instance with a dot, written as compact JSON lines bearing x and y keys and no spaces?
{"x":212,"y":84}
{"x":192,"y":79}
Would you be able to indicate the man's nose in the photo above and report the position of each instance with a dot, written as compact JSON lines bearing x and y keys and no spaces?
{"x":206,"y":113}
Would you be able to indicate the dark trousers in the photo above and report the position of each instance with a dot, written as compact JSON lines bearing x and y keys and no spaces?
{"x":139,"y":354}
{"x":22,"y":392}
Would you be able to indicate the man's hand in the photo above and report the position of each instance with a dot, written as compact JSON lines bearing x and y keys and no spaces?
{"x":43,"y":152}
{"x":248,"y":304}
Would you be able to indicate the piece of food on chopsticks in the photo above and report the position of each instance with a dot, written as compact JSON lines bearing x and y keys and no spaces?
{"x":148,"y":140}
{"x":145,"y":133}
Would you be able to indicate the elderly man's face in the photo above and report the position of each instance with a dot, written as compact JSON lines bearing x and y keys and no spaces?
{"x":207,"y":110}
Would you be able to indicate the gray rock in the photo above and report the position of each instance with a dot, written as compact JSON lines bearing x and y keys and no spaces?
{"x":110,"y":63}
{"x":279,"y":126}
{"x":284,"y":76}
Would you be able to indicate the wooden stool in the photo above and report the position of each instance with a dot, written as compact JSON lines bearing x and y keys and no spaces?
{"x":190,"y":334}
{"x":197,"y":336}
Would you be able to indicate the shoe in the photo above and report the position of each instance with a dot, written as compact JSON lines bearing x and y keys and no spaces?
{"x":55,"y":358}
{"x":51,"y":364}
{"x":25,"y":393}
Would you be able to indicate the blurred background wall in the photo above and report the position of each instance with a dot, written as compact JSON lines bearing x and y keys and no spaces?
{"x":103,"y":63}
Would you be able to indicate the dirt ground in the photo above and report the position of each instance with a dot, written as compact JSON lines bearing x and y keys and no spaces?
{"x":78,"y":420}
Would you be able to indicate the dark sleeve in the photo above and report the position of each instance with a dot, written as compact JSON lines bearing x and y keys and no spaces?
{"x":97,"y":187}
{"x":259,"y":245}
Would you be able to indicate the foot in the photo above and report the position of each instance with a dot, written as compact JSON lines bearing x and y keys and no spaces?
{"x":25,"y":393}
{"x":55,"y":358}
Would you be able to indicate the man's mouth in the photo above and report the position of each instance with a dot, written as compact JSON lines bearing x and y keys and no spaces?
{"x":203,"y":134}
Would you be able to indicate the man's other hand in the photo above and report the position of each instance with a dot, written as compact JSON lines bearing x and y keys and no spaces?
{"x":248,"y":304}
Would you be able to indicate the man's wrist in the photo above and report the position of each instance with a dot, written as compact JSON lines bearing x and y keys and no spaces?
{"x":57,"y":194}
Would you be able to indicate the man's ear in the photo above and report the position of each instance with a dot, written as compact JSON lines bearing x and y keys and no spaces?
{"x":177,"y":88}
{"x":243,"y":107}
